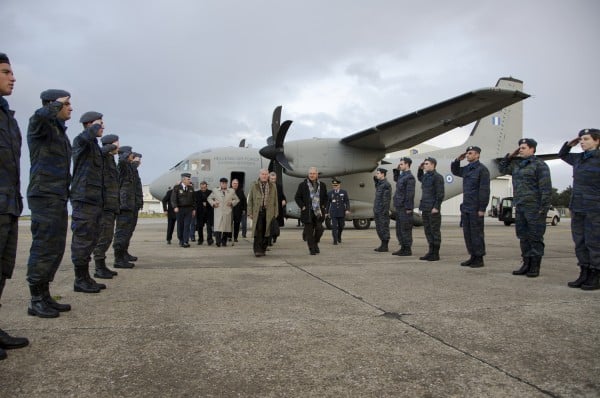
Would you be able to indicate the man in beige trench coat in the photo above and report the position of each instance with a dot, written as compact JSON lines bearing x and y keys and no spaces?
{"x":223,"y":200}
{"x":262,"y":210}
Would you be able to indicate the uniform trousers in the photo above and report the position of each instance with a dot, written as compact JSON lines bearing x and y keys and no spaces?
{"x":9,"y":231}
{"x":49,"y":223}
{"x":123,"y":230}
{"x":85,"y":226}
{"x":184,"y":219}
{"x":404,"y":227}
{"x":530,"y":227}
{"x":472,"y":225}
{"x":585,"y":229}
{"x":432,"y":223}
{"x":107,"y":232}
{"x":382,"y":225}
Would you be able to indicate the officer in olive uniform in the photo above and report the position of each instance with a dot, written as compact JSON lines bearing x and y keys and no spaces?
{"x":585,"y":206}
{"x":476,"y":195}
{"x":11,"y":203}
{"x":381,"y":208}
{"x":432,"y":186}
{"x":404,"y":204}
{"x":127,"y":206}
{"x":183,"y":201}
{"x":86,"y":200}
{"x":110,"y":192}
{"x":339,"y":207}
{"x":532,"y":189}
{"x":47,"y":195}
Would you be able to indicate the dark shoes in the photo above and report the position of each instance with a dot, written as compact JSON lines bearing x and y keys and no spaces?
{"x":383,"y":247}
{"x":593,"y":280}
{"x":8,"y":342}
{"x":259,"y":254}
{"x":524,"y":267}
{"x":404,"y":251}
{"x":477,"y":262}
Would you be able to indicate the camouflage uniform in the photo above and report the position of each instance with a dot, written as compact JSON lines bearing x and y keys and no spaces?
{"x":532,"y":189}
{"x":404,"y":200}
{"x":432,"y":186}
{"x":476,"y":195}
{"x":585,"y":207}
{"x":86,"y":196}
{"x":11,"y":203}
{"x":127,"y":208}
{"x":381,"y":209}
{"x":48,"y":192}
{"x":139,"y":201}
{"x":110,"y":192}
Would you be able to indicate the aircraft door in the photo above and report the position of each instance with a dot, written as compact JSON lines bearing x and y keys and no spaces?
{"x":240,"y":176}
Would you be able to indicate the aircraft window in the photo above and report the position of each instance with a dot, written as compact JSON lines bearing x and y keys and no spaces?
{"x":185,"y":166}
{"x":204,"y":165}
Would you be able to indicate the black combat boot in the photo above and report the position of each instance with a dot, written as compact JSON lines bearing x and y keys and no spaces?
{"x":129,"y":257}
{"x":83,"y":282}
{"x":593,"y":280}
{"x":534,"y":266}
{"x":53,"y":303}
{"x":100,"y":286}
{"x":435,"y":254}
{"x":383,"y":247}
{"x":429,"y":252}
{"x":477,"y":262}
{"x":583,"y":275}
{"x":524,"y":267}
{"x":120,"y":261}
{"x":399,"y":251}
{"x":38,"y":306}
{"x":8,"y":342}
{"x":101,"y":271}
{"x":468,"y":262}
{"x":406,"y":251}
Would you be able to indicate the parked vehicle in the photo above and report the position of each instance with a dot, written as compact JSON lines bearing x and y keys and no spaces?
{"x":506,"y":212}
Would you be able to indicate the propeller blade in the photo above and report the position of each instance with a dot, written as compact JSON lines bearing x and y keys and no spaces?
{"x":281,"y":134}
{"x":276,"y":121}
{"x":282,"y":160}
{"x":243,"y":143}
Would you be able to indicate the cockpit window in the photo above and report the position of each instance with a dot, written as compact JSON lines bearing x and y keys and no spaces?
{"x":183,"y":165}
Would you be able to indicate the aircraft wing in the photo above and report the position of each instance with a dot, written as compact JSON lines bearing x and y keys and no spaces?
{"x":414,"y":128}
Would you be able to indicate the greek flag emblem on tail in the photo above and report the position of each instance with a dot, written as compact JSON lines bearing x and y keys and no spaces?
{"x":496,"y":120}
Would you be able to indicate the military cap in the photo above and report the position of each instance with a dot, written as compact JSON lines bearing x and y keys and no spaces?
{"x":125,"y":150}
{"x":223,"y":179}
{"x":188,"y":175}
{"x":109,"y":139}
{"x":430,"y":160}
{"x":53,"y":94}
{"x":530,"y":142}
{"x":382,"y":170}
{"x":589,"y":131}
{"x":335,"y":181}
{"x":90,"y":117}
{"x":473,"y":148}
{"x":4,"y":59}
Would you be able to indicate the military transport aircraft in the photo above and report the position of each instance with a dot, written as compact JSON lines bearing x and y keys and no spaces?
{"x":497,"y":111}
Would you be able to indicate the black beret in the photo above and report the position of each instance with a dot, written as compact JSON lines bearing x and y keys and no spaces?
{"x":223,"y":179}
{"x":382,"y":170}
{"x":137,"y":155}
{"x":125,"y":150}
{"x":90,"y":117}
{"x":4,"y":59}
{"x":406,"y":160}
{"x":335,"y":181}
{"x":430,"y":160}
{"x":53,"y":94}
{"x":109,"y":139}
{"x":589,"y":131}
{"x":188,"y":175}
{"x":473,"y":148}
{"x":530,"y":142}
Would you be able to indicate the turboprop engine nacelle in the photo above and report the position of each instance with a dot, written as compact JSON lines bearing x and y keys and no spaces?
{"x":330,"y":157}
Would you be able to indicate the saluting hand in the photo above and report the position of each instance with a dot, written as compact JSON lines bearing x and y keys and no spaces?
{"x":574,"y":142}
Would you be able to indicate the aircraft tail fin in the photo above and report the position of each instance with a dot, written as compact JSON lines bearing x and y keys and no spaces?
{"x":498,"y":133}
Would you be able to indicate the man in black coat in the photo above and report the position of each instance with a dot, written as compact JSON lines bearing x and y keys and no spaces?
{"x":204,"y":214}
{"x":183,"y":201}
{"x":171,"y":216}
{"x":311,"y":198}
{"x":239,"y":210}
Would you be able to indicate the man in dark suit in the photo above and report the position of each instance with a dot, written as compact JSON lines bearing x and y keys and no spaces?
{"x":171,"y":216}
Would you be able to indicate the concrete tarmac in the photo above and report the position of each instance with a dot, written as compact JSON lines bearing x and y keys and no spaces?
{"x":349,"y":322}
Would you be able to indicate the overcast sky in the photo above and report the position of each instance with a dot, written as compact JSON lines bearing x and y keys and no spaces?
{"x":174,"y":77}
